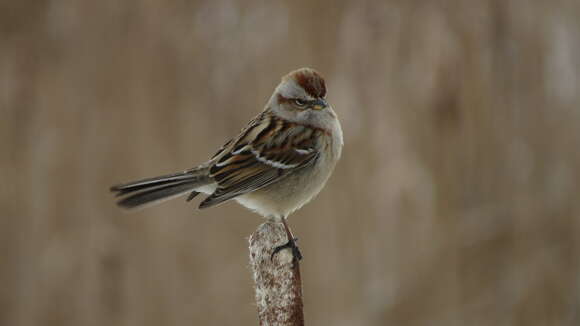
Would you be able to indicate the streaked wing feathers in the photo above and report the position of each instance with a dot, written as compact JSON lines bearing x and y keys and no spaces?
{"x":257,"y":158}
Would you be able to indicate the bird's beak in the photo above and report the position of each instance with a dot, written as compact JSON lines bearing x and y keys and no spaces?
{"x":319,"y":104}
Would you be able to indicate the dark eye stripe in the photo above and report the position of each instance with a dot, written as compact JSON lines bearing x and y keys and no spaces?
{"x":300,"y":102}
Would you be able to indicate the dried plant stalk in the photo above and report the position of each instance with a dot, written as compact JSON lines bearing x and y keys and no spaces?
{"x":277,"y":280}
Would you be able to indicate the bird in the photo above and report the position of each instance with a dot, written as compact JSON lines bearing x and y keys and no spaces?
{"x":279,"y":162}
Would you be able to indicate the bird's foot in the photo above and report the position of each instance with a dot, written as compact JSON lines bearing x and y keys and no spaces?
{"x":291,"y":244}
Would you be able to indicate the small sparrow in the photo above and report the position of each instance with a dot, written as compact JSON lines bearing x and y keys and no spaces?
{"x":277,"y":163}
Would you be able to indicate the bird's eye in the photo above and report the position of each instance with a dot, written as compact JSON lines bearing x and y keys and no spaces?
{"x":300,"y":102}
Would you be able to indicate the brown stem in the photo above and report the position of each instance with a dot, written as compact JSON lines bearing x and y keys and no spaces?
{"x":278,"y":285}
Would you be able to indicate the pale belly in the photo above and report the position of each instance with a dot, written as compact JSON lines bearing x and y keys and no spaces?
{"x":282,"y":198}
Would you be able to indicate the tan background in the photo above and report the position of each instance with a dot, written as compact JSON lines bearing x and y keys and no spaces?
{"x":456,"y":201}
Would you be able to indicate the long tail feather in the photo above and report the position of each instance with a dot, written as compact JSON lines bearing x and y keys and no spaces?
{"x":158,"y":189}
{"x":127,"y":188}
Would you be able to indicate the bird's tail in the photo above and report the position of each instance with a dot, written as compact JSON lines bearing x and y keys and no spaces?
{"x":158,"y":189}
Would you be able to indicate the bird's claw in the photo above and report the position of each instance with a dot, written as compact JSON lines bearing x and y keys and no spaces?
{"x":296,"y":254}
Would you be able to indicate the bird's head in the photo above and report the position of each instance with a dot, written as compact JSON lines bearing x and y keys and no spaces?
{"x":301,"y":96}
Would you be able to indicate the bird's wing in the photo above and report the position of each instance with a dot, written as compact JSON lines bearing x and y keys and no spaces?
{"x":265,"y":152}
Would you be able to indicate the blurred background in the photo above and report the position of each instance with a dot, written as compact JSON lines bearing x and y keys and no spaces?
{"x":455,"y":202}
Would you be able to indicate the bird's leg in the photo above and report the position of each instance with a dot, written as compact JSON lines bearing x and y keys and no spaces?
{"x":296,"y":254}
